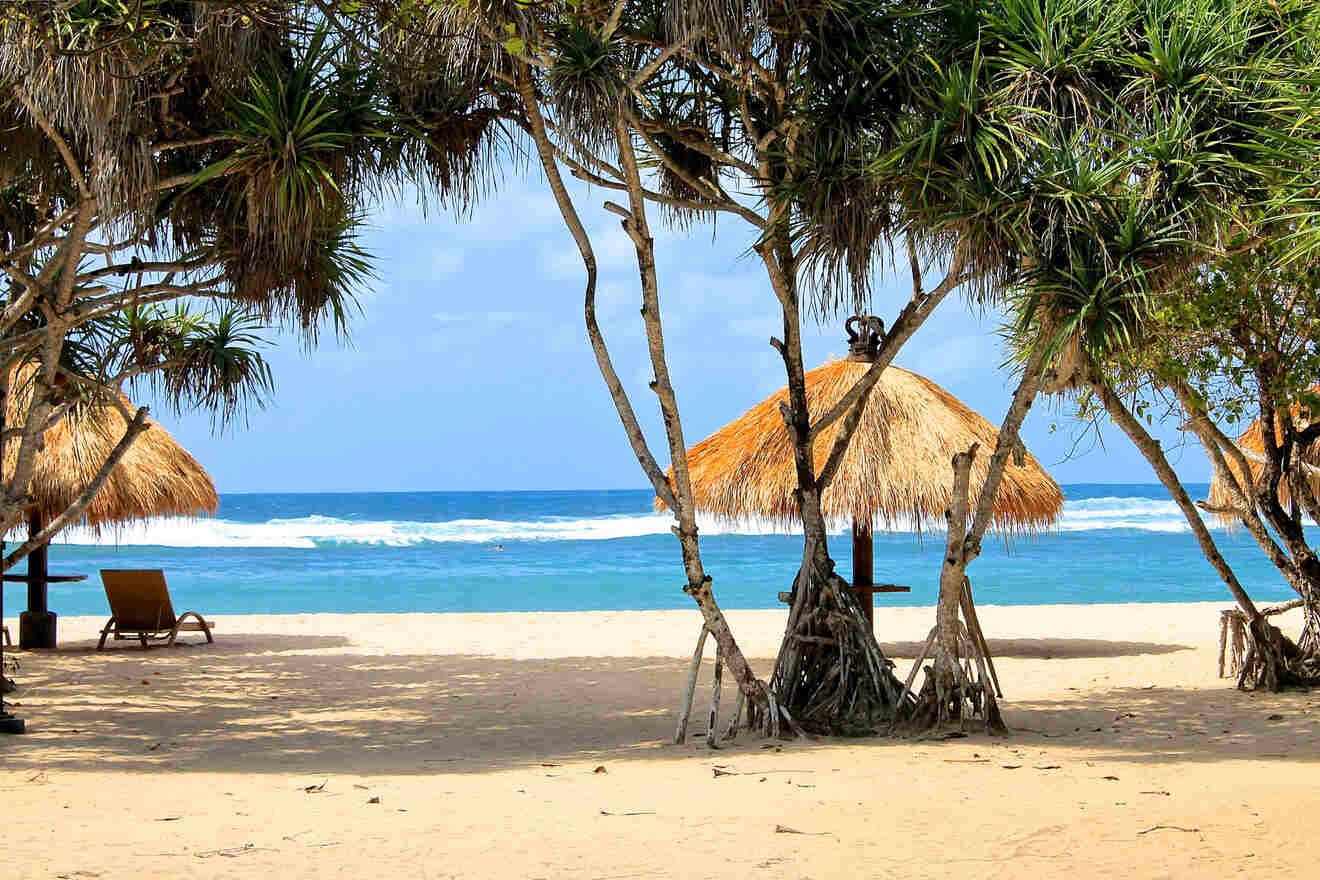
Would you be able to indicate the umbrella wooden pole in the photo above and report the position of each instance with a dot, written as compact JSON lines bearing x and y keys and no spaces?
{"x":36,"y":626}
{"x":863,"y":568}
{"x":37,"y":568}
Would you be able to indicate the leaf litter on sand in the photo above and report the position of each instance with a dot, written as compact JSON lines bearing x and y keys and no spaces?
{"x":1169,"y":828}
{"x":232,"y":852}
{"x":785,"y":829}
{"x":726,"y":770}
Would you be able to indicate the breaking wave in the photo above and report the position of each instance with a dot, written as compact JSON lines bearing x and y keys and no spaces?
{"x":1091,"y":514}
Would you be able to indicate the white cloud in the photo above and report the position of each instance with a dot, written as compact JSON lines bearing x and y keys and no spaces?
{"x":561,"y":264}
{"x":445,"y":262}
{"x":477,"y":318}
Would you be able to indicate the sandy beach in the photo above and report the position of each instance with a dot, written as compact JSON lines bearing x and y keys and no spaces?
{"x":537,"y":745}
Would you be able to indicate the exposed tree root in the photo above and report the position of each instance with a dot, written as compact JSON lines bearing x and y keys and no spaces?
{"x":957,"y":687}
{"x":1274,"y":662}
{"x":831,"y":676}
{"x":1261,"y":657}
{"x":1308,"y":643}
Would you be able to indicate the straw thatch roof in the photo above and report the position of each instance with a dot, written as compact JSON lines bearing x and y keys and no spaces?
{"x":897,"y":470}
{"x":156,"y":476}
{"x":1252,"y":444}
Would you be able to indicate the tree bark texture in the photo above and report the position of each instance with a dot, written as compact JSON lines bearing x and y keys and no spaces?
{"x":949,"y":687}
{"x":681,"y":502}
{"x":831,"y":675}
{"x":1268,"y":663}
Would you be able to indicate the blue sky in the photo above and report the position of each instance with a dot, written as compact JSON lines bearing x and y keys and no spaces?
{"x":469,"y":367}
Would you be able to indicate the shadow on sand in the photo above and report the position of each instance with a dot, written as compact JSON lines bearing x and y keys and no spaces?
{"x":278,"y":704}
{"x":1048,"y":649}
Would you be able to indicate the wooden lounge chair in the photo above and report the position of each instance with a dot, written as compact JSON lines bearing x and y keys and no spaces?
{"x":140,"y":608}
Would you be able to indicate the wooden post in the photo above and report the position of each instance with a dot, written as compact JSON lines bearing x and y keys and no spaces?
{"x":36,"y":626}
{"x":864,"y":568}
{"x":685,"y":708}
{"x":712,"y":730}
{"x":36,"y":566}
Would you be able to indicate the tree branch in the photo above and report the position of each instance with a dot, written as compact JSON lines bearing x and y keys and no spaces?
{"x":70,"y":163}
{"x":914,"y":314}
{"x":622,"y":405}
{"x":75,"y":510}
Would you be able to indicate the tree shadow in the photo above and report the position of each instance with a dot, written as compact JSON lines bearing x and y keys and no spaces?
{"x":280,"y":704}
{"x":1160,"y":724}
{"x":1048,"y":649}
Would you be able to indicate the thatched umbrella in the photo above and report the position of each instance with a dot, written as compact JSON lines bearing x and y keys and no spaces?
{"x":896,"y":471}
{"x":155,"y":477}
{"x":1252,"y":444}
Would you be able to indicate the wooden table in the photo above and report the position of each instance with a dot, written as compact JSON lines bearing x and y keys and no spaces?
{"x":36,"y":626}
{"x":865,"y":594}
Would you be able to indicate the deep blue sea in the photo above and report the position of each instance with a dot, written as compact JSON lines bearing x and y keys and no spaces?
{"x":569,"y":551}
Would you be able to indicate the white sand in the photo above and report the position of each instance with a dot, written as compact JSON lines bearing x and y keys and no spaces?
{"x":481,"y":734}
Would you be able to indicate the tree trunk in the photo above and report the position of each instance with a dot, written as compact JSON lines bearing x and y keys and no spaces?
{"x":1301,"y":574}
{"x":831,"y":676}
{"x":678,"y":498}
{"x":1269,"y":659}
{"x":949,"y":686}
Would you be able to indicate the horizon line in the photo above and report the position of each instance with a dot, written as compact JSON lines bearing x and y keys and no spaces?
{"x":587,"y":490}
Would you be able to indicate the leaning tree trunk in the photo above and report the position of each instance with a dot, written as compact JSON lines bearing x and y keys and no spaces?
{"x":1288,"y":525}
{"x":950,"y":692}
{"x":1270,"y":656}
{"x":831,"y":676}
{"x":953,"y":689}
{"x":678,"y":497}
{"x":1297,"y":564}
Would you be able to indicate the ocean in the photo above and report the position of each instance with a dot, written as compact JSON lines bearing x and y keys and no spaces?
{"x":597,"y":550}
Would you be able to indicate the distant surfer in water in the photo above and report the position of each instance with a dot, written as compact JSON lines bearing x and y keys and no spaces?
{"x":498,"y":547}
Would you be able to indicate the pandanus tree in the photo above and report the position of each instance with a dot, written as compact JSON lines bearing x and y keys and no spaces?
{"x":1092,"y":153}
{"x":1058,"y":154}
{"x":472,"y":83}
{"x":1240,"y":340}
{"x":1210,"y":151}
{"x":765,"y":113}
{"x":173,"y":176}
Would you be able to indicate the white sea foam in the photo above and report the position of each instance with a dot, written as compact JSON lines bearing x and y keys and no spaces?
{"x":1146,"y":514}
{"x":1091,"y":514}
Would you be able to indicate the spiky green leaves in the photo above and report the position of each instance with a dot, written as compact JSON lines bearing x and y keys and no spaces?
{"x":294,"y":153}
{"x":284,"y":217}
{"x":1094,"y":152}
{"x":210,"y":360}
{"x":587,"y":80}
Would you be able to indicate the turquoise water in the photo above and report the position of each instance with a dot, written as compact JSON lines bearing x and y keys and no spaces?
{"x":569,"y":551}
